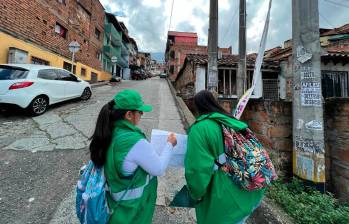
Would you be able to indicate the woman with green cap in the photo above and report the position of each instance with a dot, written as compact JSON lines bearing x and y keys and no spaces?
{"x":130,"y":163}
{"x":219,"y":200}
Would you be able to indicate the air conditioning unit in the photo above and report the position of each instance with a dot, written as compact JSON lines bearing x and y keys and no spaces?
{"x":17,"y":56}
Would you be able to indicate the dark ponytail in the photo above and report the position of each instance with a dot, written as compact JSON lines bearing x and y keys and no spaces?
{"x":205,"y":103}
{"x":102,"y":135}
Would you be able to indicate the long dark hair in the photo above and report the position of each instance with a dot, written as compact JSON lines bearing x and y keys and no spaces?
{"x":205,"y":103}
{"x":102,"y":135}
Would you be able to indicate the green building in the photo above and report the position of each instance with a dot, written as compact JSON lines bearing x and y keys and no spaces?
{"x":116,"y":42}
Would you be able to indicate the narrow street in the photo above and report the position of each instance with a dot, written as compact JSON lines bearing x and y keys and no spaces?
{"x":40,"y":157}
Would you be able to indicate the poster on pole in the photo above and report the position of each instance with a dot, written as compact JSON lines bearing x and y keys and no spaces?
{"x":257,"y":69}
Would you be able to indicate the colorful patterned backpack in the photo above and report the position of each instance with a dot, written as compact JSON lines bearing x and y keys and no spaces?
{"x":246,"y":161}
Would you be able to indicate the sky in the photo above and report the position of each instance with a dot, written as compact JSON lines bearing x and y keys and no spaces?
{"x":149,"y":20}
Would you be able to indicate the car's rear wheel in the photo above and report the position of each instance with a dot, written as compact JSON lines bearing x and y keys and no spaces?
{"x":38,"y":106}
{"x":86,"y":94}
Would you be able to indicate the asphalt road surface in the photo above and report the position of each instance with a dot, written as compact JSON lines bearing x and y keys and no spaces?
{"x":40,"y":157}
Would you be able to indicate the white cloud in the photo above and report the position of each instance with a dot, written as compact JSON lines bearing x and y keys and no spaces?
{"x":148,"y":20}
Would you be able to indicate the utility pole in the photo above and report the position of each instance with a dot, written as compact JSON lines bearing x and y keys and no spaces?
{"x":212,"y":77}
{"x":308,"y":122}
{"x":241,"y":75}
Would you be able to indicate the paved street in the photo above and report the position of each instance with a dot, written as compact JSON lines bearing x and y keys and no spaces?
{"x":40,"y":157}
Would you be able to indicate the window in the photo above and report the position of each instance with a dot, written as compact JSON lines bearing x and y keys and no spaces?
{"x":39,"y":61}
{"x":12,"y":73}
{"x":227,"y":82}
{"x":66,"y":76}
{"x":99,"y":56}
{"x":49,"y":74}
{"x":97,"y":34}
{"x":60,"y":30}
{"x":94,"y":77}
{"x":83,"y":72}
{"x":172,"y":54}
{"x":172,"y":69}
{"x":335,"y":84}
{"x":67,"y":66}
{"x":271,"y":89}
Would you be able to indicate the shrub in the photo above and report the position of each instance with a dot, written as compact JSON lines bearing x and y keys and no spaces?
{"x":308,"y":206}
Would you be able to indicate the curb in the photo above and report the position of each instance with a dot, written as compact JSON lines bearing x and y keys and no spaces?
{"x":268,"y":212}
{"x":98,"y":84}
{"x":187,"y":117}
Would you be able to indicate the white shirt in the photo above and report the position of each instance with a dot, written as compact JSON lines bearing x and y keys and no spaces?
{"x":144,"y":155}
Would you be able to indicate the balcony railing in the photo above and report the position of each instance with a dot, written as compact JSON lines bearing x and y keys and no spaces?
{"x":116,"y":38}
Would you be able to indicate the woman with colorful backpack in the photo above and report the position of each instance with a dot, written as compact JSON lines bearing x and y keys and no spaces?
{"x":130,"y":163}
{"x":219,"y":198}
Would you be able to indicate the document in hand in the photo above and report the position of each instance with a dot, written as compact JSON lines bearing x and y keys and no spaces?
{"x":159,"y":140}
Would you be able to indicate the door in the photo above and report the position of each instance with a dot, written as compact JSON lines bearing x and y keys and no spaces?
{"x":73,"y":86}
{"x":50,"y":85}
{"x":94,"y":77}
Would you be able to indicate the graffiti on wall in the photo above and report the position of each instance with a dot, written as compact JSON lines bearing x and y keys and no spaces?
{"x":309,"y":145}
{"x":305,"y":167}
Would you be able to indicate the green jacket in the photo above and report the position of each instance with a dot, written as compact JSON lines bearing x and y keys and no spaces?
{"x":136,"y":195}
{"x":220,"y":200}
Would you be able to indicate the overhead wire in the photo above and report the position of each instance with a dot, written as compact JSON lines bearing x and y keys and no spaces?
{"x":169,"y":26}
{"x":327,"y":21}
{"x":230,"y":25}
{"x":337,"y":3}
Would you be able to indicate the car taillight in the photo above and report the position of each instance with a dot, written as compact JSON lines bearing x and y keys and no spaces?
{"x":19,"y":85}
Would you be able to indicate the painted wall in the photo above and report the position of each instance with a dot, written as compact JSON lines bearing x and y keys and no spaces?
{"x":55,"y":60}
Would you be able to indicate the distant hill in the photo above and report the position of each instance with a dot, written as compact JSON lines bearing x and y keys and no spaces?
{"x":158,"y":56}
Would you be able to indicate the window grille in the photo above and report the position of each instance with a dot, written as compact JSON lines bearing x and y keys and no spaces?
{"x":335,"y":84}
{"x":271,"y":89}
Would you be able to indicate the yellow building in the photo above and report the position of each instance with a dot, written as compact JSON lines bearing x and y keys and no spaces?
{"x":36,"y":53}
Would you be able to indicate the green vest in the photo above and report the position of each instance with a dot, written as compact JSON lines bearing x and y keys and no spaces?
{"x":133,"y":198}
{"x":221,"y":201}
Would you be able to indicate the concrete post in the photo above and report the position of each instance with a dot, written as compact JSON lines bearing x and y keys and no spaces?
{"x":212,"y":76}
{"x":241,"y":75}
{"x":308,"y":123}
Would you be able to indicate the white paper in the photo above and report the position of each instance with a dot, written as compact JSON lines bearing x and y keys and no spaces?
{"x":159,"y":141}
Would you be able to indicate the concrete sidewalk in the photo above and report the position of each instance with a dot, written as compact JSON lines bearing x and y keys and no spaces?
{"x":165,"y":115}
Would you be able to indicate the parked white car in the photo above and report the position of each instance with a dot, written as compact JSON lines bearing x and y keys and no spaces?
{"x":35,"y":87}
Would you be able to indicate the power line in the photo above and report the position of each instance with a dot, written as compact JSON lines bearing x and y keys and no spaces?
{"x":337,"y":3}
{"x":169,"y":26}
{"x":327,"y":21}
{"x":231,"y":24}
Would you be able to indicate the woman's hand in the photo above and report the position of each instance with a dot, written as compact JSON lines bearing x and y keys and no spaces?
{"x":172,"y":139}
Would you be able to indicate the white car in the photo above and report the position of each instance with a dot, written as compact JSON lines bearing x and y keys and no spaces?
{"x":35,"y":87}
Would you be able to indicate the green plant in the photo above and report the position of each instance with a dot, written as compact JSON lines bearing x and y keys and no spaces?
{"x":308,"y":206}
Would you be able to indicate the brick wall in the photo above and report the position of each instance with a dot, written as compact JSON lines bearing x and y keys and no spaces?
{"x":272,"y":123}
{"x":181,"y":52}
{"x":185,"y":83}
{"x":337,"y":145}
{"x":35,"y":20}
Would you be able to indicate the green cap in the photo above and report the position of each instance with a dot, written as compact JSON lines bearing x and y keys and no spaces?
{"x":129,"y":99}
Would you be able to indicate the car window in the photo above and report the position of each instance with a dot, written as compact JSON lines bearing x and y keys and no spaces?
{"x":66,"y":76}
{"x":49,"y":74}
{"x":12,"y":73}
